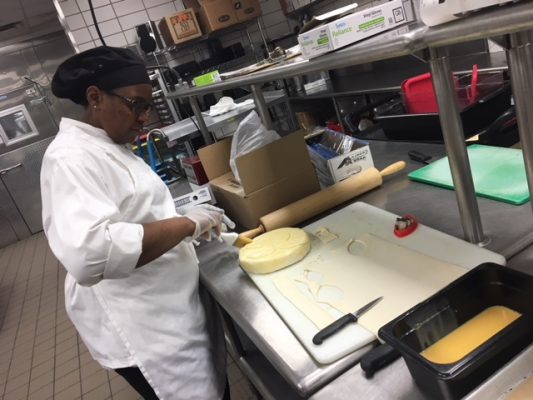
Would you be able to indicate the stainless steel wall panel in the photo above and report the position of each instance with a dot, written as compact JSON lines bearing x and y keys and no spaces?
{"x":53,"y":52}
{"x":37,"y":59}
{"x":12,"y":225}
{"x":23,"y":182}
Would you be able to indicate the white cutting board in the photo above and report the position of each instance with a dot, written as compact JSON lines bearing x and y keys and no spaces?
{"x":404,"y":271}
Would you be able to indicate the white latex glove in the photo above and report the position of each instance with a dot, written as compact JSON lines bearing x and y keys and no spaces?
{"x":207,"y":219}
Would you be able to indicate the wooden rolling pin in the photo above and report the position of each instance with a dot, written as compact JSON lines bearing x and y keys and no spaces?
{"x":323,"y":200}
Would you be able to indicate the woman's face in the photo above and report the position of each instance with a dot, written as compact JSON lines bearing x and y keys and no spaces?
{"x":120,"y":112}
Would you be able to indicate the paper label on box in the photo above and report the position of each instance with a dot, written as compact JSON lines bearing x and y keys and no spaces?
{"x":315,"y":42}
{"x":350,"y":164}
{"x":184,"y":24}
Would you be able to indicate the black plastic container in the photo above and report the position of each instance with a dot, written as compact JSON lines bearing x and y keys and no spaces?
{"x":484,"y":286}
{"x":494,"y":99}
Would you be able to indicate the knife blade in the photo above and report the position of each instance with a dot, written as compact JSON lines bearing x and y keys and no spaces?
{"x":343,"y":321}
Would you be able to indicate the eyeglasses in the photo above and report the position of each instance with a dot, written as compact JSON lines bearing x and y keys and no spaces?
{"x":137,"y":107}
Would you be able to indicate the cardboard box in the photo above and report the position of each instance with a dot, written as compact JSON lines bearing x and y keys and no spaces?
{"x":246,"y":10}
{"x":213,"y":14}
{"x":180,"y":27}
{"x":271,"y":177}
{"x":355,"y":157}
{"x":352,"y":28}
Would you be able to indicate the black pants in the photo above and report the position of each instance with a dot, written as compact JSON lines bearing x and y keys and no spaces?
{"x":136,"y":379}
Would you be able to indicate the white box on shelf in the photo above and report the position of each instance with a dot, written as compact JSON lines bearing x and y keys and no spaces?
{"x":352,"y":28}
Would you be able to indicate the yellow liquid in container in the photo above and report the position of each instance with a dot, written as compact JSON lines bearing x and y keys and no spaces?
{"x":472,"y":334}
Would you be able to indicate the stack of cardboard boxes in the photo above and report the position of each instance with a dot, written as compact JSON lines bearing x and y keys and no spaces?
{"x":206,"y":16}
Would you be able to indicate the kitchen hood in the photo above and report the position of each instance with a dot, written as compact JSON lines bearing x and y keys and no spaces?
{"x":22,"y":20}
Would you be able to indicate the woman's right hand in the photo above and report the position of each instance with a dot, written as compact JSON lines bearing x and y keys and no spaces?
{"x":206,"y":218}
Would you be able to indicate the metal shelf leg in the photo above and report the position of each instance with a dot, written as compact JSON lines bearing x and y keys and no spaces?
{"x":452,"y":130}
{"x":200,"y":119}
{"x":520,"y":59}
{"x":261,"y":106}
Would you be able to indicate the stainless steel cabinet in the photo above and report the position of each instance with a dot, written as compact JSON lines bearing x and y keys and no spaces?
{"x":12,"y":226}
{"x":20,"y":193}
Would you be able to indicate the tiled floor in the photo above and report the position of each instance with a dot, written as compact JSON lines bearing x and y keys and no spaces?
{"x":41,"y":355}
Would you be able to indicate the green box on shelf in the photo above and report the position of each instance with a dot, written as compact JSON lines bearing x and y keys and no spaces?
{"x":207,"y":79}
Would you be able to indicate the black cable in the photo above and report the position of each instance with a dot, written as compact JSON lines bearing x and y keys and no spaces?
{"x":96,"y":23}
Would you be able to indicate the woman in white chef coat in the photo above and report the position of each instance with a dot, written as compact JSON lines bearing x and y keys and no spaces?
{"x":132,"y":284}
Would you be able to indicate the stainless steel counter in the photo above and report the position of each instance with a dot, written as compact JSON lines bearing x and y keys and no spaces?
{"x":435,"y":207}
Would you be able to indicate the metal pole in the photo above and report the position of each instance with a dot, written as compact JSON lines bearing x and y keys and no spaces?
{"x":452,"y":131}
{"x":261,"y":106}
{"x":200,"y":120}
{"x":520,"y":60}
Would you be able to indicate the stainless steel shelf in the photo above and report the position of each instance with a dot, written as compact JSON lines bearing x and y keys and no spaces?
{"x":402,"y":41}
{"x":391,"y":44}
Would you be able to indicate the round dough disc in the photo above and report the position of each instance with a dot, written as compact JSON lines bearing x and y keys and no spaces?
{"x":274,"y":250}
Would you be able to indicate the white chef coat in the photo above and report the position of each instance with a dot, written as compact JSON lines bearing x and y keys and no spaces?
{"x":95,"y":195}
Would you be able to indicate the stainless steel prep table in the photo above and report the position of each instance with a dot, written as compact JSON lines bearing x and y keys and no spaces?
{"x":514,"y":21}
{"x":435,"y":207}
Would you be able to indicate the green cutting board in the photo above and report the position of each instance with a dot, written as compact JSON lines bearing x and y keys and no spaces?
{"x":499,"y":173}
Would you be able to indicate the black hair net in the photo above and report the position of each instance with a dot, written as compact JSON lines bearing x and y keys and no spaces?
{"x":107,"y":68}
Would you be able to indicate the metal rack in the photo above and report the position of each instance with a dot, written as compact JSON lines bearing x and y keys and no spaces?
{"x":512,"y":22}
{"x":163,"y":106}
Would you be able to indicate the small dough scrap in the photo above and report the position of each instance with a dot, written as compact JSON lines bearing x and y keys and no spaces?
{"x":325,"y":235}
{"x":274,"y":250}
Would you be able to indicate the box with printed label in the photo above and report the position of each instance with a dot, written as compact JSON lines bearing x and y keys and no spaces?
{"x":272,"y":177}
{"x":337,"y":156}
{"x":352,"y":28}
{"x":213,"y":14}
{"x":246,"y":10}
{"x":180,"y":27}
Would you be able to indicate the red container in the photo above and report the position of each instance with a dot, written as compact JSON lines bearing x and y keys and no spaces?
{"x":419,"y":94}
{"x":194,"y":170}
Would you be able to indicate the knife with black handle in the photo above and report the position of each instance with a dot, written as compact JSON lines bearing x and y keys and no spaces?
{"x":342,"y":322}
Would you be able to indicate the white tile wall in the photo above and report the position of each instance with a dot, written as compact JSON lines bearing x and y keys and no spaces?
{"x":106,"y":28}
{"x":75,"y":21}
{"x":126,"y":7}
{"x":157,"y":13}
{"x":116,"y":40}
{"x":82,"y":35}
{"x":129,"y":21}
{"x":131,"y":36}
{"x":69,"y":7}
{"x":102,"y":14}
{"x":84,"y":4}
{"x":86,"y":46}
{"x":153,"y":3}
